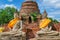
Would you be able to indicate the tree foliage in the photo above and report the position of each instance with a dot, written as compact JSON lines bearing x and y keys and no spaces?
{"x":6,"y":14}
{"x":34,"y":15}
{"x":54,"y":20}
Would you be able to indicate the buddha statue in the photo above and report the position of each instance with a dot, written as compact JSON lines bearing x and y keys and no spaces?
{"x":45,"y":29}
{"x":18,"y":24}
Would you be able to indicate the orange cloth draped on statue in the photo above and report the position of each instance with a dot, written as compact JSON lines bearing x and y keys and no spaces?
{"x":44,"y":23}
{"x":12,"y":23}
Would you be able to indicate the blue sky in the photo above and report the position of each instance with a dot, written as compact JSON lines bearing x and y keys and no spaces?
{"x":51,"y":6}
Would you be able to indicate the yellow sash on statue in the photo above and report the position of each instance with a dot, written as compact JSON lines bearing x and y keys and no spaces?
{"x":12,"y":22}
{"x":44,"y":23}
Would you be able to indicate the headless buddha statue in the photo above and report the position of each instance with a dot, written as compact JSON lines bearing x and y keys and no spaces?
{"x":45,"y":29}
{"x":16,"y":23}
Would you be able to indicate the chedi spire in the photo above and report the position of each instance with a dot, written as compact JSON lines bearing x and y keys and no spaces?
{"x":44,"y":15}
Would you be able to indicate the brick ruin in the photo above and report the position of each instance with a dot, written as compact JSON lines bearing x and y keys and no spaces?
{"x":29,"y":7}
{"x":30,"y":26}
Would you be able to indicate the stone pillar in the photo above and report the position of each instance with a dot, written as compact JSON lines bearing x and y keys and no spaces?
{"x":44,"y":15}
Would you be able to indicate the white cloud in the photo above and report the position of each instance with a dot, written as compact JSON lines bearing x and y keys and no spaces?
{"x":52,"y":3}
{"x":10,"y":0}
{"x":52,"y":7}
{"x":58,"y":5}
{"x":51,"y":16}
{"x":57,"y":12}
{"x":54,"y":15}
{"x":7,"y":5}
{"x":11,"y":5}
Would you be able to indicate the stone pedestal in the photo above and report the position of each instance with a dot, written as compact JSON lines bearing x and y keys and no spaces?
{"x":12,"y":36}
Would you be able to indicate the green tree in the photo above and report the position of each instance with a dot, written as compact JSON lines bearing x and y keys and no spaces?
{"x":6,"y":14}
{"x":34,"y":15}
{"x":54,"y":21}
{"x":51,"y":19}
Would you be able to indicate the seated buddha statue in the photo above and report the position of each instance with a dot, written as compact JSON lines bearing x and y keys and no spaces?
{"x":45,"y":29}
{"x":16,"y":23}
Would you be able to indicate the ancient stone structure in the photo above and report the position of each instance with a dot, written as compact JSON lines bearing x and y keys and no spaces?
{"x":56,"y":26}
{"x":28,"y":7}
{"x":44,"y":15}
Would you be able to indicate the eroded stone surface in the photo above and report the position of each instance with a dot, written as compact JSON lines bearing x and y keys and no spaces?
{"x":12,"y":36}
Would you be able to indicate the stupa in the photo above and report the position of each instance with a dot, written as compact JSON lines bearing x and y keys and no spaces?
{"x":28,"y":7}
{"x":29,"y":25}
